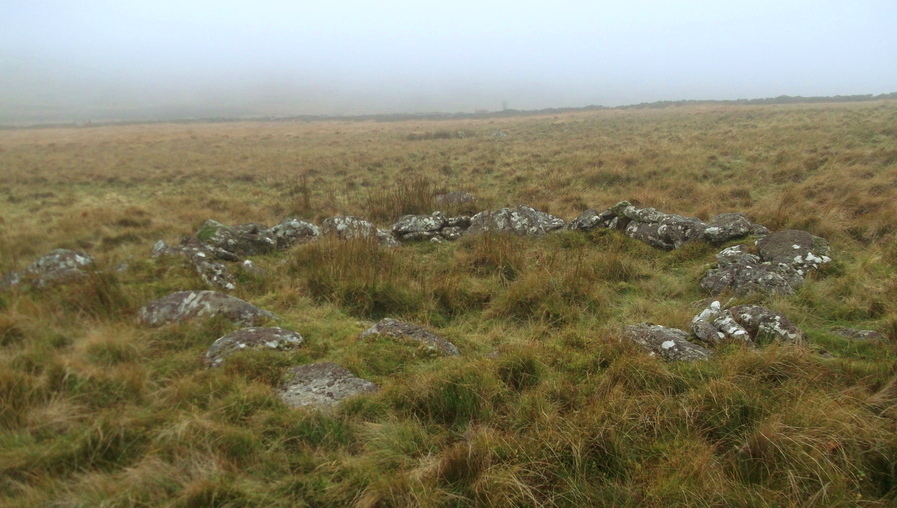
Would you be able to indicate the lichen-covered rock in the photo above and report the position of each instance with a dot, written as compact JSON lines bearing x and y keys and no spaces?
{"x":202,"y":256}
{"x":741,"y":279}
{"x":250,"y":338}
{"x":401,"y":329}
{"x":668,"y":343}
{"x":798,"y":249}
{"x":322,"y":385}
{"x":666,"y":230}
{"x":522,"y":220}
{"x":765,"y":325}
{"x":59,"y":266}
{"x":292,"y":231}
{"x":451,"y":233}
{"x":590,"y":220}
{"x":244,"y":240}
{"x":668,"y":233}
{"x":410,"y":224}
{"x":347,"y":228}
{"x":188,"y":305}
{"x":726,"y":227}
{"x":751,"y":324}
{"x":715,"y":324}
{"x":854,"y":334}
{"x":736,"y":255}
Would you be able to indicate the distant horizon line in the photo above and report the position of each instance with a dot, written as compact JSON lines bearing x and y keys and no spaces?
{"x":436,"y":115}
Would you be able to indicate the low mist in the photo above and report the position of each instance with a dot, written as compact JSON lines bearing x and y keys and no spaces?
{"x":132,"y":60}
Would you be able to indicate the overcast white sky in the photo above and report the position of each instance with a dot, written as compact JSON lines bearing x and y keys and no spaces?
{"x":92,"y":58}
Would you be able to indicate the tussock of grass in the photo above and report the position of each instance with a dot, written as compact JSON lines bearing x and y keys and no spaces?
{"x":547,"y":406}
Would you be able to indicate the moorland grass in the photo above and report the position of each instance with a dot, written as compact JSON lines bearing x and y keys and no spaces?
{"x":546,"y":406}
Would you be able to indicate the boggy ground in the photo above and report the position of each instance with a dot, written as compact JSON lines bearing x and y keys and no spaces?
{"x":98,"y":411}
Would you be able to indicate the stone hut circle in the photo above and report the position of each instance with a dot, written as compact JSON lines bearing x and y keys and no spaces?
{"x":775,"y":264}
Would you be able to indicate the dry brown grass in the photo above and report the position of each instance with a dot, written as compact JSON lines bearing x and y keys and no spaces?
{"x":97,"y":411}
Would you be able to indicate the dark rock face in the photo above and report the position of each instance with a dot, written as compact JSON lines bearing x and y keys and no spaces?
{"x":59,"y":266}
{"x":668,"y":343}
{"x":202,"y":256}
{"x":765,"y":325}
{"x":400,"y":329}
{"x":854,"y":334}
{"x":189,"y":305}
{"x":293,"y":231}
{"x":347,"y":228}
{"x":322,"y":385}
{"x":744,"y":323}
{"x":798,"y":249}
{"x":244,"y":240}
{"x":250,"y":338}
{"x":522,"y":220}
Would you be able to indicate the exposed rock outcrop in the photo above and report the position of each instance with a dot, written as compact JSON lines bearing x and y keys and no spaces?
{"x":751,"y":324}
{"x":203,"y":258}
{"x":347,"y":228}
{"x":744,"y":278}
{"x":59,"y":266}
{"x":666,"y":231}
{"x":292,"y":231}
{"x":430,"y":227}
{"x":243,"y":240}
{"x":189,"y":305}
{"x":784,"y":258}
{"x":400,"y":329}
{"x":668,"y":343}
{"x":522,"y":220}
{"x":250,"y":338}
{"x":798,"y":249}
{"x":322,"y":385}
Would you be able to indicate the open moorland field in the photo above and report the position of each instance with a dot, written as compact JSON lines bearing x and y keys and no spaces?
{"x":548,"y":403}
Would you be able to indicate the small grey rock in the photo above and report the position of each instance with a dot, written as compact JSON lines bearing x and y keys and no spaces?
{"x":401,"y":329}
{"x":292,"y":231}
{"x":668,"y":343}
{"x":322,"y":385}
{"x":765,"y":325}
{"x":250,"y":338}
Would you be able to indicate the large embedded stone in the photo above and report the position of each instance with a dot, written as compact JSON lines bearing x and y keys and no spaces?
{"x":348,"y":228}
{"x":188,"y":305}
{"x":798,"y":249}
{"x":243,"y":240}
{"x":293,"y":231}
{"x":522,"y":220}
{"x":59,"y":266}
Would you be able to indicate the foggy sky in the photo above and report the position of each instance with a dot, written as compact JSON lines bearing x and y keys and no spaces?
{"x":131,"y":59}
